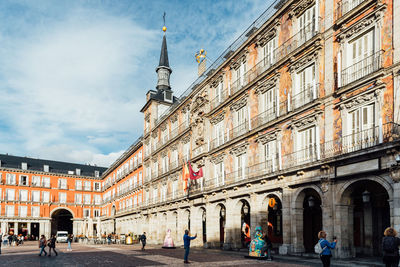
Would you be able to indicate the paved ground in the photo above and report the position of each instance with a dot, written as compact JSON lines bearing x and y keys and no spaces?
{"x":123,"y":255}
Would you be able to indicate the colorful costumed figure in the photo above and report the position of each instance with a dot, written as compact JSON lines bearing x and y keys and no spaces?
{"x":168,"y":242}
{"x":256,"y":244}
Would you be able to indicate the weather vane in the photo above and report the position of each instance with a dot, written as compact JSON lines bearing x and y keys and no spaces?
{"x":164,"y":28}
{"x":200,"y":56}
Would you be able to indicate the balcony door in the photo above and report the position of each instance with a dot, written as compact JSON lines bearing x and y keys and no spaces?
{"x":306,"y":25}
{"x":306,"y":145}
{"x":361,"y":60}
{"x":361,"y":125}
{"x":305,"y":90}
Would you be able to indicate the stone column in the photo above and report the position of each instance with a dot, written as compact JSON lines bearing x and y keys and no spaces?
{"x":16,"y":228}
{"x":232,"y":226}
{"x":41,"y":229}
{"x":258,"y":213}
{"x":28,"y":226}
{"x":343,"y":221}
{"x":212,"y":225}
{"x":47,"y":228}
{"x":3,"y":227}
{"x":196,"y":226}
{"x":287,"y":245}
{"x":297,"y":230}
{"x":395,"y":206}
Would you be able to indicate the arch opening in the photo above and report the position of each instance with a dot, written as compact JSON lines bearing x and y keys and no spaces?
{"x":61,"y":220}
{"x":312,"y":219}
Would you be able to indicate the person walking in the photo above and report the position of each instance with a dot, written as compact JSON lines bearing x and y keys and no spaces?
{"x":143,"y":238}
{"x":390,"y":247}
{"x":186,"y":244}
{"x":42,"y":245}
{"x":52,"y":245}
{"x":69,"y":241}
{"x":1,"y":241}
{"x":326,"y":247}
{"x":109,"y":239}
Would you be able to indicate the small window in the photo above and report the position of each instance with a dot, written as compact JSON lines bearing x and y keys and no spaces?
{"x":78,"y":171}
{"x":23,"y":180}
{"x":24,"y":165}
{"x":70,"y":172}
{"x":46,"y":168}
{"x":96,"y":173}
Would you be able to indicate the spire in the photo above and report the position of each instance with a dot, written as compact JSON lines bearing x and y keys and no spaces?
{"x":164,"y":54}
{"x":163,"y":70}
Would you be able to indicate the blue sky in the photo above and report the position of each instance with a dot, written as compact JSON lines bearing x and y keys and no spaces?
{"x":73,"y":74}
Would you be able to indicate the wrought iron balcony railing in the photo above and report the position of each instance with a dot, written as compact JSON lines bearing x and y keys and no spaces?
{"x":344,"y":6}
{"x":361,"y":69}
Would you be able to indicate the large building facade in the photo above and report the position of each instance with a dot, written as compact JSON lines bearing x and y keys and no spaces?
{"x":296,"y":129}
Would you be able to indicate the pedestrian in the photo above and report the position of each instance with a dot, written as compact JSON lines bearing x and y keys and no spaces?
{"x":186,"y":244}
{"x":267,"y":247}
{"x":1,"y":241}
{"x":390,"y":247}
{"x":42,"y":245}
{"x":326,"y":247}
{"x":10,"y":239}
{"x":109,"y":239}
{"x":69,"y":241}
{"x":52,"y":245}
{"x":143,"y":238}
{"x":5,"y":239}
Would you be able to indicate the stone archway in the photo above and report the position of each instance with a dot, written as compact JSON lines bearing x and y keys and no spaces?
{"x":221,"y":210}
{"x":271,"y":221}
{"x":61,"y":220}
{"x":307,"y":218}
{"x":365,"y":205}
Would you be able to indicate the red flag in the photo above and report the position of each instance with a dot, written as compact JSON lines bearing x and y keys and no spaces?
{"x":195,"y":175}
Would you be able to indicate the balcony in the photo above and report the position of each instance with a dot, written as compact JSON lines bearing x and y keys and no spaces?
{"x":199,"y":150}
{"x":264,"y":117}
{"x":307,"y":94}
{"x":239,"y":130}
{"x":344,"y":6}
{"x":361,"y":69}
{"x":219,"y":141}
{"x":280,"y":53}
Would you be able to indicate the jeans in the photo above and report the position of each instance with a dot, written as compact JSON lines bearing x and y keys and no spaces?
{"x":391,"y":261}
{"x":69,"y":246}
{"x":42,"y":250}
{"x":54,"y":249}
{"x":326,"y":260}
{"x":187,"y":249}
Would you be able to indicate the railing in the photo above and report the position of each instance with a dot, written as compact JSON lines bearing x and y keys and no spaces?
{"x":220,"y":98}
{"x":361,"y":69}
{"x":264,"y":117}
{"x":307,"y":94}
{"x":238,"y":130}
{"x":345,"y":6}
{"x":218,"y":141}
{"x":173,"y":165}
{"x":200,"y":149}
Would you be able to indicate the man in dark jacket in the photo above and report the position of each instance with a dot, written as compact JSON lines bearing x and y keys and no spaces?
{"x":143,"y":238}
{"x":186,"y":244}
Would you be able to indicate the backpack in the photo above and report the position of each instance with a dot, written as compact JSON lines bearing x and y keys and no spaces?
{"x":389,"y":244}
{"x":318,"y":248}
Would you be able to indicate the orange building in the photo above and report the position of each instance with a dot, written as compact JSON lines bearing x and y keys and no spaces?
{"x":44,"y":196}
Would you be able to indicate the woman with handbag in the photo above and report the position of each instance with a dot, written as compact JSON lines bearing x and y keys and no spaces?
{"x":326,"y":247}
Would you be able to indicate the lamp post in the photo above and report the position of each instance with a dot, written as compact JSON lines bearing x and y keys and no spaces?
{"x":366,"y":197}
{"x":311,"y":202}
{"x":246,"y":209}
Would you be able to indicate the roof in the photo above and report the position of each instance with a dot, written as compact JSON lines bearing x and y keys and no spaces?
{"x":15,"y":162}
{"x":164,"y":54}
{"x":159,"y":97}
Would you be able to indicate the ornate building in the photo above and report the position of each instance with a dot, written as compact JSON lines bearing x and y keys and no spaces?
{"x":296,"y":127}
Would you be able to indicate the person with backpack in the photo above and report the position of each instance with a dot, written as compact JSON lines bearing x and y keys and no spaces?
{"x":390,"y":247}
{"x":52,"y":245}
{"x":69,"y":241}
{"x":323,"y":248}
{"x":42,"y":245}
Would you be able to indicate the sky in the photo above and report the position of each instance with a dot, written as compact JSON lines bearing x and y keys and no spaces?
{"x":74,"y":74}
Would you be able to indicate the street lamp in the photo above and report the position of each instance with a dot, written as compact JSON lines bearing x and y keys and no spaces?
{"x":204,"y":216}
{"x":366,"y":196}
{"x":246,"y":209}
{"x":223,"y":212}
{"x":311,"y":202}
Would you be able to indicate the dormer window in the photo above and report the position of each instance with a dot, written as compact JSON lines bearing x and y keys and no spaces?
{"x":24,"y":165}
{"x":96,"y":173}
{"x":168,"y":96}
{"x":46,"y":168}
{"x":78,"y":171}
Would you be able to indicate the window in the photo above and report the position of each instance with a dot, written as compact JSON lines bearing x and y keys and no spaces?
{"x":241,"y":166}
{"x":186,"y":151}
{"x":46,"y":182}
{"x":219,"y":174}
{"x":10,"y":211}
{"x":147,"y":197}
{"x":306,"y":25}
{"x":269,"y":156}
{"x":36,"y":196}
{"x":165,"y":164}
{"x":46,"y":168}
{"x":86,"y":213}
{"x":62,"y":183}
{"x":164,"y":193}
{"x":88,"y":186}
{"x":305,"y":88}
{"x":97,"y":199}
{"x":306,"y":145}
{"x":10,"y":194}
{"x":361,"y":127}
{"x":164,"y":136}
{"x":96,"y":213}
{"x":218,"y":134}
{"x":269,"y":52}
{"x":240,"y":74}
{"x":218,"y":92}
{"x":62,"y":197}
{"x":96,"y":186}
{"x":267,"y":102}
{"x":23,"y":180}
{"x":35,"y":211}
{"x":140,"y":157}
{"x":140,"y":178}
{"x":46,"y":196}
{"x":35,"y":180}
{"x":23,"y":211}
{"x":240,"y":121}
{"x":96,"y":174}
{"x":11,"y":178}
{"x":78,"y":185}
{"x":78,"y":171}
{"x":24,"y":165}
{"x":86,"y":199}
{"x":155,"y":193}
{"x":174,"y":188}
{"x":23,"y":195}
{"x":78,"y":198}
